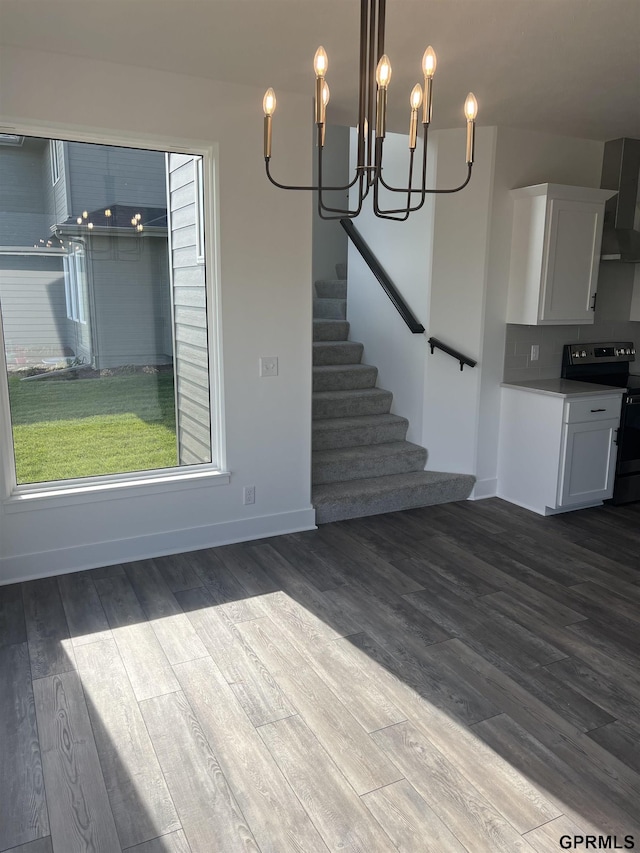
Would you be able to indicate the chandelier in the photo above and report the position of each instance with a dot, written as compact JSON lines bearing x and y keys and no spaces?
{"x":375,"y":76}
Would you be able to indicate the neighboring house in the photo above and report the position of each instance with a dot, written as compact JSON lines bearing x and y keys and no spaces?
{"x":81,"y":227}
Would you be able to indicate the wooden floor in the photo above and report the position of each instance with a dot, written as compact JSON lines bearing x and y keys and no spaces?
{"x":449,"y":679}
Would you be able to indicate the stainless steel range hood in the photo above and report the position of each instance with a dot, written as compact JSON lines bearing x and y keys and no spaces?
{"x":621,"y":172}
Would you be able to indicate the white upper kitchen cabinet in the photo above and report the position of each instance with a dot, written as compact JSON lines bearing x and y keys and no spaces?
{"x":555,"y":253}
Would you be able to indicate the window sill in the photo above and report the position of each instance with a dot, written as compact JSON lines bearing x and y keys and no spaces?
{"x":26,"y":498}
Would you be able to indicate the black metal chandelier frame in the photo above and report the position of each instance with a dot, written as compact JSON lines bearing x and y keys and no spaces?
{"x":372,"y":98}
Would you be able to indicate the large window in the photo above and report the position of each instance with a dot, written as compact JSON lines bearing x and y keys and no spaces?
{"x":75,"y":282}
{"x":105,"y":314}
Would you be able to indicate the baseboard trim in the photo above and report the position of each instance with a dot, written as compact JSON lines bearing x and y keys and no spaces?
{"x":97,"y":554}
{"x":484,"y":489}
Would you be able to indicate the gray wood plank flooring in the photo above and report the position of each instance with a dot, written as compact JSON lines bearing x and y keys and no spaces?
{"x":454,"y":679}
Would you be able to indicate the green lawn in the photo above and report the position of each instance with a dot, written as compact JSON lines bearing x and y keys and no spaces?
{"x":65,"y":428}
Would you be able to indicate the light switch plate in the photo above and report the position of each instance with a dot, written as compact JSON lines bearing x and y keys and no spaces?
{"x":269,"y":365}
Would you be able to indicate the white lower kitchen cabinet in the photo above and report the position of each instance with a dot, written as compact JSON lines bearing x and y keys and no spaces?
{"x":557,"y":448}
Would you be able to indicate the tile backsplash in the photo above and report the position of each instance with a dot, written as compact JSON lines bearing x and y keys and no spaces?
{"x":614,"y":298}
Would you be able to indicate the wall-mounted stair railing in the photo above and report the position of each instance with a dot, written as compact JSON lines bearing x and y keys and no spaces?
{"x":434,"y":343}
{"x":396,"y":297}
{"x":387,"y":285}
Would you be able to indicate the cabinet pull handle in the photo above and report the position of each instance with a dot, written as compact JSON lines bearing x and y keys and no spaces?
{"x":615,"y":440}
{"x":598,"y":410}
{"x":593,"y":304}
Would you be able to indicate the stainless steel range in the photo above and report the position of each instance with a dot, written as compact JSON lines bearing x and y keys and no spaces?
{"x":609,"y":364}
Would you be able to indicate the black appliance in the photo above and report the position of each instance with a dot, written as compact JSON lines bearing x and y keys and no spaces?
{"x":608,"y":364}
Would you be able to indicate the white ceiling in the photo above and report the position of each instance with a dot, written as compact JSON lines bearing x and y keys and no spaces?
{"x":564,"y":66}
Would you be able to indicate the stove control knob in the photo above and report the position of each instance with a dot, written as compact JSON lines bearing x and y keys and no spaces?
{"x":583,"y":354}
{"x":617,"y":351}
{"x":633,"y":352}
{"x":627,"y":351}
{"x":576,"y":354}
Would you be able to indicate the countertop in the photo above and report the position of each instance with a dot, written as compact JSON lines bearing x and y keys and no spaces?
{"x":563,"y":388}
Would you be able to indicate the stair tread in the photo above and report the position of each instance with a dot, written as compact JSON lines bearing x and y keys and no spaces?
{"x":356,"y":421}
{"x":366,"y":451}
{"x":385,"y":484}
{"x":321,"y":344}
{"x":352,"y":392}
{"x":389,"y":493}
{"x":338,"y":368}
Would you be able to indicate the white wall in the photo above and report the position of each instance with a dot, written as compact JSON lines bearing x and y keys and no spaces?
{"x":264,"y":263}
{"x":404,"y":251}
{"x":460,"y":249}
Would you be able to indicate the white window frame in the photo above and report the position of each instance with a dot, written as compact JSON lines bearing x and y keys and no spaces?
{"x":198,"y":184}
{"x":32,"y":497}
{"x":54,"y":158}
{"x":75,"y":284}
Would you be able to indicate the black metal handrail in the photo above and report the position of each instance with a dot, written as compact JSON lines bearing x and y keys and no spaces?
{"x":387,"y":285}
{"x":434,"y":343}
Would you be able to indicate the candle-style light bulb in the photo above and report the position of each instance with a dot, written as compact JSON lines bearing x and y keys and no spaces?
{"x":429,"y":62}
{"x":269,"y":102}
{"x":470,"y":111}
{"x":85,"y":214}
{"x":383,"y":72}
{"x":415,"y":100}
{"x":320,"y":62}
{"x":471,"y":107}
{"x":107,"y":212}
{"x":79,"y":220}
{"x":269,"y":107}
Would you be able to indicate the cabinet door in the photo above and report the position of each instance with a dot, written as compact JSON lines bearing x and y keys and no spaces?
{"x":588,"y":462}
{"x":570,"y":266}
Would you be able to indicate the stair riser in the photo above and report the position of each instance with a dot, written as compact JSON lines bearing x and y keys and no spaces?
{"x":352,"y":407}
{"x":358,"y":436}
{"x":336,"y":289}
{"x":402,"y":498}
{"x":345,"y":380}
{"x":338,"y":330}
{"x":402,"y":463}
{"x":328,"y":353}
{"x":330,"y":309}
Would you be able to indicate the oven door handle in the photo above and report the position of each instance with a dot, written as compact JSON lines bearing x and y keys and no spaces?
{"x":617,"y":436}
{"x":598,"y":410}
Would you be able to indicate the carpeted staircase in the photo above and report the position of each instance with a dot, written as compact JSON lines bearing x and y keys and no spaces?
{"x":362,"y":463}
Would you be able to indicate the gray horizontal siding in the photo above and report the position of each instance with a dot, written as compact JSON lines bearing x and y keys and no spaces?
{"x":105,"y":174}
{"x":195,"y":429}
{"x":189,"y":315}
{"x":190,"y":297}
{"x":34,"y":312}
{"x":182,"y":175}
{"x":182,"y":237}
{"x":184,"y":216}
{"x":194,"y":355}
{"x":193,"y":336}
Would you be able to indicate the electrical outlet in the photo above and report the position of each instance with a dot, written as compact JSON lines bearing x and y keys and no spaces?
{"x":249,"y":495}
{"x":269,"y":365}
{"x":535,"y":352}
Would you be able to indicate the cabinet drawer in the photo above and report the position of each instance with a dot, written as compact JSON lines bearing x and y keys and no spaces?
{"x":596,"y":409}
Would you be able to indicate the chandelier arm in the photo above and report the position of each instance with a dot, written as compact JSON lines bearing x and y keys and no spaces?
{"x":292,"y":187}
{"x":362,"y":89}
{"x":372,"y":61}
{"x":323,"y":208}
{"x":421,"y":189}
{"x":454,"y":189}
{"x":404,"y":210}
